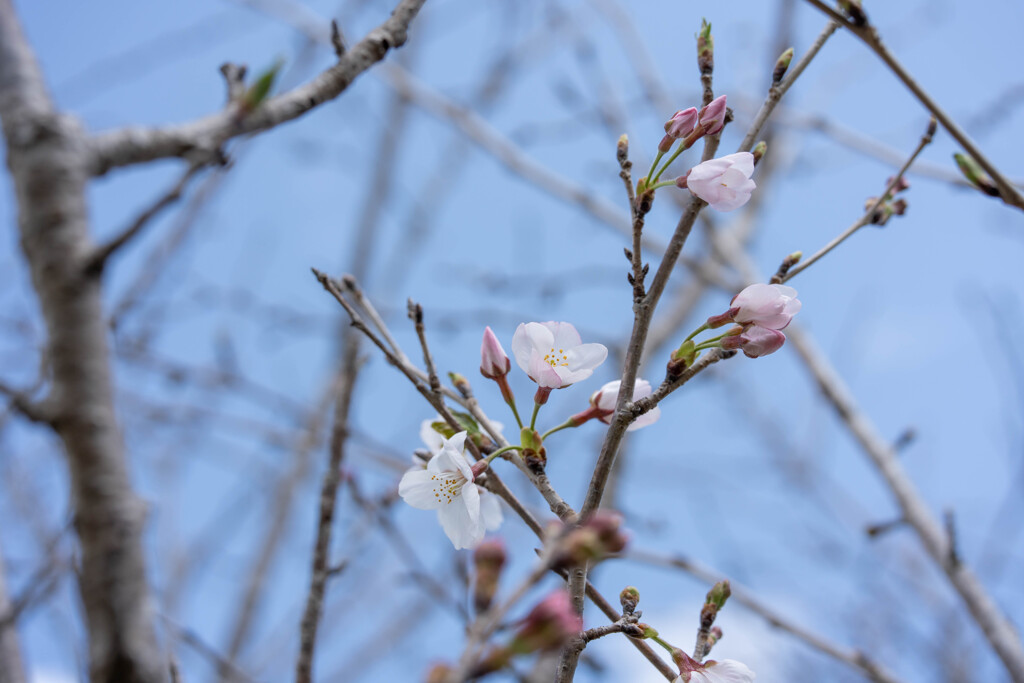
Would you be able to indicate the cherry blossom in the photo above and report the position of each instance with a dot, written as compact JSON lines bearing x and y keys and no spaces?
{"x":724,"y":183}
{"x":755,"y":341}
{"x":605,"y":398}
{"x":493,"y":361}
{"x":553,"y":355}
{"x":725,"y":671}
{"x":771,"y":306}
{"x":446,"y":485}
{"x":712,"y":117}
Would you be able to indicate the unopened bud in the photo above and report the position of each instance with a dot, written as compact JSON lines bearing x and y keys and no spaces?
{"x":439,"y":673}
{"x":488,"y":560}
{"x":622,"y":149}
{"x":712,"y":117}
{"x":781,"y":66}
{"x":598,"y":537}
{"x":705,"y":48}
{"x":460,"y":383}
{"x":899,"y":207}
{"x":718,"y":594}
{"x":548,"y":626}
{"x":901,"y":184}
{"x":759,"y":150}
{"x":629,"y":598}
{"x":976,"y":175}
{"x":648,"y":630}
{"x":494,"y":363}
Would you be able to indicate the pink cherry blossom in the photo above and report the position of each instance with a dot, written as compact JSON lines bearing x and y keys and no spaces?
{"x":724,"y":183}
{"x":493,"y":361}
{"x":553,"y":355}
{"x":679,"y":126}
{"x":605,"y":398}
{"x":771,"y":306}
{"x":712,"y":117}
{"x":725,"y":671}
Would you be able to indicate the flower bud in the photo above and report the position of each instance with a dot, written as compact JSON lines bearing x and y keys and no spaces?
{"x":622,"y":149}
{"x":679,"y":126}
{"x":769,"y":306}
{"x":493,"y":361}
{"x":596,"y":538}
{"x":629,"y":598}
{"x":460,"y":383}
{"x":975,"y":175}
{"x":439,"y":673}
{"x":758,"y":151}
{"x":260,"y":89}
{"x":705,"y":49}
{"x":755,"y":341}
{"x":781,"y":66}
{"x":488,"y":560}
{"x":718,"y":594}
{"x":548,"y":626}
{"x":712,"y":117}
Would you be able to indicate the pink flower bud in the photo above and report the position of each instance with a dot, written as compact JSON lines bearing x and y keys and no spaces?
{"x":723,"y":183}
{"x":755,"y":341}
{"x":493,"y":361}
{"x":770,"y":306}
{"x":549,"y":625}
{"x":712,"y":117}
{"x":681,"y":124}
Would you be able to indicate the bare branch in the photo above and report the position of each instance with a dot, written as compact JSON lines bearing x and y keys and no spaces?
{"x":201,"y":138}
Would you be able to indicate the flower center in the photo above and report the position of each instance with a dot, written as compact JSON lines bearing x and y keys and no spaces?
{"x":447,"y":486}
{"x":554,"y":359}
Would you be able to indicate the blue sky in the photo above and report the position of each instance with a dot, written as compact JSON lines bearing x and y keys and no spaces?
{"x":747,"y":471}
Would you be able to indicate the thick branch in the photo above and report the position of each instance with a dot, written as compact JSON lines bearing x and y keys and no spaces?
{"x":199,"y":139}
{"x":46,"y":160}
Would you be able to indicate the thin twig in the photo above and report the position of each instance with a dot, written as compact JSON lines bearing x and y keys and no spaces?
{"x":870,"y":213}
{"x":869,"y":35}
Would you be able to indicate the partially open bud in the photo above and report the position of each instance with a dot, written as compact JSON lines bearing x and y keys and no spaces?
{"x":488,"y":560}
{"x":712,"y":117}
{"x":781,"y":66}
{"x":755,"y":341}
{"x":705,"y":49}
{"x":679,"y":126}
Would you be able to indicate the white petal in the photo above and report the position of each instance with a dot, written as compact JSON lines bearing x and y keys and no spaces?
{"x":430,"y":437}
{"x":418,"y":488}
{"x":725,"y":671}
{"x":461,"y":519}
{"x":490,"y":510}
{"x":648,"y":418}
{"x":565,"y":335}
{"x":587,"y":356}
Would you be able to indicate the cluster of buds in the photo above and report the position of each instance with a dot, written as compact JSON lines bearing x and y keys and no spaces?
{"x":760,"y":312}
{"x":889,"y":206}
{"x":548,"y":627}
{"x":599,"y":536}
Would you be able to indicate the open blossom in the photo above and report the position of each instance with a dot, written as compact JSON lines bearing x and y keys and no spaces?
{"x":446,"y":485}
{"x":725,"y":671}
{"x":755,"y":341}
{"x":771,"y":306}
{"x":553,"y":355}
{"x":490,"y":506}
{"x":605,"y":398}
{"x":724,"y":183}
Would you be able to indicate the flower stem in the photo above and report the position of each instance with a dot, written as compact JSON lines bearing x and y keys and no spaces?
{"x":650,"y":178}
{"x":710,"y":343}
{"x":664,"y":183}
{"x":515,"y":411}
{"x":565,"y":425}
{"x":533,"y":419}
{"x":696,"y":332}
{"x":661,"y":642}
{"x":501,"y":450}
{"x":679,"y":150}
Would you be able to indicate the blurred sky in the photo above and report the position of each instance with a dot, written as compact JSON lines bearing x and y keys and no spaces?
{"x":747,"y":471}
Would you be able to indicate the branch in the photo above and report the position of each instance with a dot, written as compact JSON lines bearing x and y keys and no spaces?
{"x":98,"y":258}
{"x":853,"y":658}
{"x":869,"y":36}
{"x":12,"y":669}
{"x":201,"y":138}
